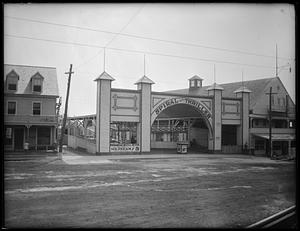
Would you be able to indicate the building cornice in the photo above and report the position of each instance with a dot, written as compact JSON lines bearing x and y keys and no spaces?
{"x":30,"y":95}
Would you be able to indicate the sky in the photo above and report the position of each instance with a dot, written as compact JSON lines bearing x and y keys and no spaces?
{"x":178,"y":41}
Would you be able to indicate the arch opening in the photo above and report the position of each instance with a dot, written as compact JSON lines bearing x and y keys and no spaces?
{"x":181,"y":123}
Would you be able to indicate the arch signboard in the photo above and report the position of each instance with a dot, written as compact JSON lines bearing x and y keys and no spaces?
{"x":194,"y":102}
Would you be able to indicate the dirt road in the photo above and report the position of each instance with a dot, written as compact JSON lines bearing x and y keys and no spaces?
{"x":146,"y":191}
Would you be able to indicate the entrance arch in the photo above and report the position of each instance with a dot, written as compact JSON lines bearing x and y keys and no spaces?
{"x":184,"y":110}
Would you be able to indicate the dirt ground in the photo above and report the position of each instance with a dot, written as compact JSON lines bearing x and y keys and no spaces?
{"x":168,"y":191}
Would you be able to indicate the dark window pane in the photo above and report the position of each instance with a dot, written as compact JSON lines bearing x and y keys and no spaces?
{"x":12,"y":86}
{"x":37,"y":88}
{"x":11,"y":108}
{"x":36,"y":108}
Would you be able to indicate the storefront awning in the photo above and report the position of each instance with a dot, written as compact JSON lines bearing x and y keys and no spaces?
{"x":277,"y":136}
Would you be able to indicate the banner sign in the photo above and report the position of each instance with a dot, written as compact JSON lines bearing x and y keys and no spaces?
{"x":173,"y":101}
{"x":125,"y":148}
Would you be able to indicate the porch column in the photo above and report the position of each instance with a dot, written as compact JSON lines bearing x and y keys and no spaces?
{"x":144,"y":84}
{"x":216,"y":143}
{"x":289,"y":148}
{"x":244,"y":94}
{"x":103,"y":112}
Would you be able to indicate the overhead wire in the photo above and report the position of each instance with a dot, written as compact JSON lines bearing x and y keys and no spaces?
{"x":137,"y":51}
{"x":146,"y":38}
{"x":116,"y":34}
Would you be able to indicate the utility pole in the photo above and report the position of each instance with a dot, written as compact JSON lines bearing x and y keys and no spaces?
{"x":66,"y":109}
{"x":270,"y":121}
{"x":276,"y":64}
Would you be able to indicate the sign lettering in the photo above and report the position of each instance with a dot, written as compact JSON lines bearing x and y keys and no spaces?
{"x":125,"y":148}
{"x":192,"y":102}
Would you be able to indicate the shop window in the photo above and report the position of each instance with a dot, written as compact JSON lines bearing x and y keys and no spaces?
{"x":123,"y":133}
{"x":11,"y":107}
{"x":36,"y":108}
{"x":43,"y":135}
{"x":259,"y":144}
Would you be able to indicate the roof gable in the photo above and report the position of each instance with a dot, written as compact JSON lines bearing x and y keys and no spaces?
{"x":12,"y":74}
{"x":37,"y":75}
{"x":144,"y":79}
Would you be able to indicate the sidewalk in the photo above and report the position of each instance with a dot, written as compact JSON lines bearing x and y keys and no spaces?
{"x":75,"y":157}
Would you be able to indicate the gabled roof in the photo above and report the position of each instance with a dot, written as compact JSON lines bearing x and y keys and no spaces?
{"x":215,"y":87}
{"x":195,"y":77}
{"x":25,"y":73}
{"x":257,"y":88}
{"x":104,"y":76}
{"x":37,"y":75}
{"x":12,"y":73}
{"x":145,"y":79}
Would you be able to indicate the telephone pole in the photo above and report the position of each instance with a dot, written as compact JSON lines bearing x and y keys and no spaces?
{"x":62,"y":132}
{"x":270,"y":121}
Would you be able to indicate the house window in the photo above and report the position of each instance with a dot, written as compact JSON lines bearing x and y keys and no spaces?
{"x":283,"y":101}
{"x":36,"y":108}
{"x":11,"y":108}
{"x":198,"y":83}
{"x":37,"y":85}
{"x":12,"y":86}
{"x":12,"y":81}
{"x":272,"y":99}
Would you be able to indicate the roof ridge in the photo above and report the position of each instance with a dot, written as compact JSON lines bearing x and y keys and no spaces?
{"x":249,"y":80}
{"x":28,"y":65}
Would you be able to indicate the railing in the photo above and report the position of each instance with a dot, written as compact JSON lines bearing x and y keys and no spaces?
{"x":283,"y":219}
{"x":277,"y":108}
{"x":30,"y":119}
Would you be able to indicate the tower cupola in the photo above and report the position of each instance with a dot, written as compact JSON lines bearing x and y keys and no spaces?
{"x":195,"y":82}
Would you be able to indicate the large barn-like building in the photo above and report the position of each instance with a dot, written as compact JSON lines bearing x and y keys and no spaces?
{"x":227,"y":118}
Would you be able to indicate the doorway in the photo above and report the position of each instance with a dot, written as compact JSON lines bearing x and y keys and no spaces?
{"x":18,"y":138}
